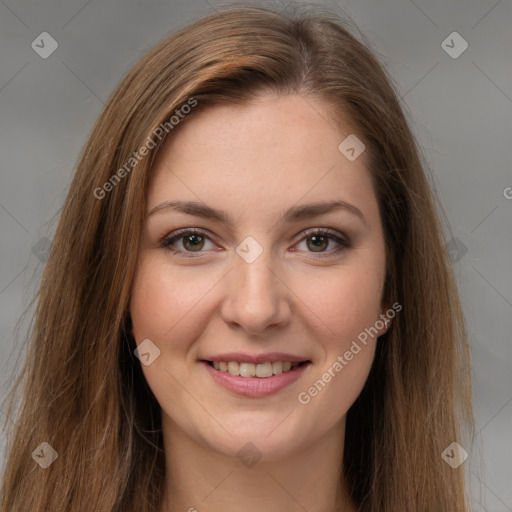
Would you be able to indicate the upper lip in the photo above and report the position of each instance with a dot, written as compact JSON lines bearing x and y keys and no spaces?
{"x":257,"y":358}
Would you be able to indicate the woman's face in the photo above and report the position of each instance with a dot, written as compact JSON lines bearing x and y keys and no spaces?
{"x":269,"y":283}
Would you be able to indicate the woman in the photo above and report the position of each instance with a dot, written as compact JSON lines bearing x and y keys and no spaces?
{"x":248,"y":304}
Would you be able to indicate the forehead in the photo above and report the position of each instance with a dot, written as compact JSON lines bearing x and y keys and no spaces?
{"x":255,"y":158}
{"x":293,"y":126}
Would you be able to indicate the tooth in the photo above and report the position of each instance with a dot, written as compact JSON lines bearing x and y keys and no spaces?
{"x":233,"y":368}
{"x":277,"y":367}
{"x":264,"y":370}
{"x":247,"y":369}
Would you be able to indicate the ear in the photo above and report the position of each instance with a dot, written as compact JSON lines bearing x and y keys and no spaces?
{"x":384,"y":322}
{"x":389,"y":314}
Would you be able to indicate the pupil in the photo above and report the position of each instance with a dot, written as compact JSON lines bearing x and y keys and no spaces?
{"x":318,"y":242}
{"x":196,"y":239}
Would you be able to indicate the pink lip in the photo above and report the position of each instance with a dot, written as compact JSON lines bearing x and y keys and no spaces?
{"x":254,"y":386}
{"x":259,"y":358}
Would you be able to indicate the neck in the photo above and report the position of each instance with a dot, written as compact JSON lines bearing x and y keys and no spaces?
{"x":201,"y":479}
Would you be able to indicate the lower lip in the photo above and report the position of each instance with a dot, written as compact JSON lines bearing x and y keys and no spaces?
{"x":255,"y":386}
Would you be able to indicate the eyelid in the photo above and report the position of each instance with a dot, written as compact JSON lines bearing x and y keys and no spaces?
{"x":326,"y":231}
{"x":340,"y":238}
{"x":171,"y":238}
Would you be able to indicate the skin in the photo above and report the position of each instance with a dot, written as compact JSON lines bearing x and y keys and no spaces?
{"x":254,"y":162}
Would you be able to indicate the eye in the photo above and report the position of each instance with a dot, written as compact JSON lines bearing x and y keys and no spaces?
{"x":317,"y":241}
{"x":194,"y":240}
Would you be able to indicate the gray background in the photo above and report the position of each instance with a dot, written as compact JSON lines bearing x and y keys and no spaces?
{"x":461,"y":113}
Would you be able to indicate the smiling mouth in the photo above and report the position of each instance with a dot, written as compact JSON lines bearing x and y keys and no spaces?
{"x":261,"y":370}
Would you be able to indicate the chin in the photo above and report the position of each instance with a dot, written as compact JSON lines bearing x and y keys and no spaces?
{"x":267,"y":439}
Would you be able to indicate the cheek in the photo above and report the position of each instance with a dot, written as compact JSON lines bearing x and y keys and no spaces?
{"x":347,"y":354}
{"x":165,"y":300}
{"x":167,"y":307}
{"x":342,"y":303}
{"x":333,"y":389}
{"x":342,"y":307}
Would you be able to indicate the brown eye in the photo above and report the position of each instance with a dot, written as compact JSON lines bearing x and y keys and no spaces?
{"x":193,"y":242}
{"x":186,"y":242}
{"x":318,"y":243}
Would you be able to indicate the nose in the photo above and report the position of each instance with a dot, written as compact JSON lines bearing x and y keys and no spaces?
{"x":256,"y":296}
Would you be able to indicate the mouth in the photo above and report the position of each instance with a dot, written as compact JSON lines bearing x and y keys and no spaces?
{"x":263,"y":370}
{"x":255,"y":379}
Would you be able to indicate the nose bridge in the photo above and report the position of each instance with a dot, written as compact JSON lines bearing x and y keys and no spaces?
{"x":256,"y":297}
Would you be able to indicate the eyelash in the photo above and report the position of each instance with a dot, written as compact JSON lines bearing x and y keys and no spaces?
{"x":170,"y":239}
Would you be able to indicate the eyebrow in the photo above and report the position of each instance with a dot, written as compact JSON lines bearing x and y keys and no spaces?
{"x":294,"y":214}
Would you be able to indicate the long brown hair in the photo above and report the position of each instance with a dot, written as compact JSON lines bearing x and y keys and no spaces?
{"x":83,"y":390}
